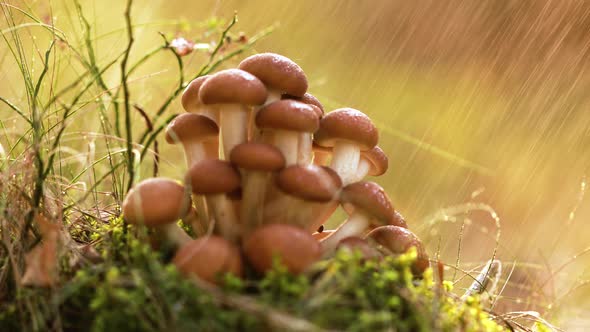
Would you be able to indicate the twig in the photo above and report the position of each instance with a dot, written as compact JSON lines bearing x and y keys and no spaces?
{"x":126,"y":94}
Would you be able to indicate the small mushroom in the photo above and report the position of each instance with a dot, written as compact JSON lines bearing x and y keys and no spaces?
{"x":294,"y":247}
{"x":209,"y":258}
{"x":372,"y":207}
{"x":233,"y":91}
{"x":158,"y":203}
{"x":348,"y":132}
{"x":373,"y":162}
{"x":215,"y":178}
{"x":198,"y":134}
{"x":398,"y":240}
{"x":192,"y":103}
{"x":257,"y":162}
{"x":286,"y":121}
{"x":304,"y":155}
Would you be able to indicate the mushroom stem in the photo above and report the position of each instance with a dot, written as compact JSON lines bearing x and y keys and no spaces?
{"x":356,"y":224}
{"x":304,"y":151}
{"x":273,"y":95}
{"x":319,"y":213}
{"x":287,"y":142}
{"x":234,"y":126}
{"x":345,"y":159}
{"x":362,"y":170}
{"x":254,"y":191}
{"x":225,"y":217}
{"x":194,"y":152}
{"x":175,"y":234}
{"x":210,"y":111}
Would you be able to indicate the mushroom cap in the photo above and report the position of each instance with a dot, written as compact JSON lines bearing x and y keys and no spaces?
{"x":311,"y":183}
{"x":233,"y":86}
{"x":277,"y":72}
{"x":347,"y":124}
{"x":378,"y":159}
{"x":213,"y":176}
{"x":370,"y":198}
{"x":208,"y":258}
{"x":398,"y":220}
{"x":398,"y":240}
{"x":355,"y":243}
{"x":191,"y":126}
{"x":289,"y":115}
{"x":308,"y":99}
{"x":190,"y":97}
{"x":258,"y":157}
{"x":295,"y":247}
{"x":156,"y":202}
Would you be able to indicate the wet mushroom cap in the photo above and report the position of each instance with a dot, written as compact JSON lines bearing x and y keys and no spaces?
{"x":308,"y":99}
{"x":209,"y":258}
{"x":295,"y":247}
{"x":156,"y":202}
{"x":369,"y":197}
{"x":288,"y":115}
{"x":378,"y":159}
{"x":233,"y":86}
{"x":277,"y":72}
{"x":309,"y":182}
{"x":257,"y":156}
{"x":398,"y":240}
{"x":347,"y":124}
{"x":189,"y":126}
{"x":213,"y":176}
{"x":190,"y":96}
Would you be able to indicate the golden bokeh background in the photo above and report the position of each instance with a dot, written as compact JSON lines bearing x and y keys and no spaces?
{"x":477,"y":101}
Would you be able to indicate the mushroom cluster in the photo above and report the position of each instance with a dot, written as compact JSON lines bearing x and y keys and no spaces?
{"x":265,"y":170}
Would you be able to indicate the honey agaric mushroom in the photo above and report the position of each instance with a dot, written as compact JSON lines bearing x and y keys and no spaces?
{"x":233,"y":91}
{"x":158,"y":203}
{"x":294,"y":247}
{"x":349,"y":132}
{"x":321,"y":154}
{"x":198,"y":134}
{"x":257,"y":162}
{"x":214,"y":178}
{"x":192,"y":103}
{"x":398,"y":240}
{"x":209,"y":258}
{"x":372,"y":207}
{"x":305,"y":150}
{"x":309,"y":99}
{"x":285,"y":120}
{"x":373,"y":162}
{"x":321,"y":212}
{"x":305,"y":186}
{"x":278,"y":73}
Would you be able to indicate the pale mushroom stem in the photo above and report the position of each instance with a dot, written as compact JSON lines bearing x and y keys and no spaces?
{"x":362,"y":170}
{"x":194,"y":152}
{"x":175,"y":234}
{"x":252,"y":207}
{"x":319,"y":213}
{"x":234,"y":126}
{"x":225,"y":217}
{"x":273,"y":95}
{"x":345,"y":159}
{"x":356,"y":224}
{"x":211,"y":112}
{"x":287,"y":142}
{"x":304,"y":152}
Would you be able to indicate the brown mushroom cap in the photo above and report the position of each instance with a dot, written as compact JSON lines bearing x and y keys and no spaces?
{"x":398,"y":220}
{"x":277,"y":72}
{"x":370,"y":198}
{"x":257,"y":156}
{"x":208,"y":258}
{"x":213,"y":176}
{"x":398,"y":240}
{"x":295,"y":247}
{"x":191,"y":126}
{"x":378,"y":159}
{"x":311,"y":182}
{"x":233,"y":86}
{"x":156,"y":202}
{"x":288,"y":115}
{"x":347,"y":124}
{"x":190,"y":96}
{"x":308,"y":99}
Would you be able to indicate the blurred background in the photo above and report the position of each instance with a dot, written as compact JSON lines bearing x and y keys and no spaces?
{"x":480,"y":104}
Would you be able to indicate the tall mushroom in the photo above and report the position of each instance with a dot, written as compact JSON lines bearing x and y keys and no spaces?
{"x":233,"y":91}
{"x":285,"y":120}
{"x":215,"y":178}
{"x":192,"y":103}
{"x":209,"y":258}
{"x":372,"y":207}
{"x":373,"y":162}
{"x":349,"y":132}
{"x":305,"y":154}
{"x":257,"y":162}
{"x":158,"y":203}
{"x":398,"y":240}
